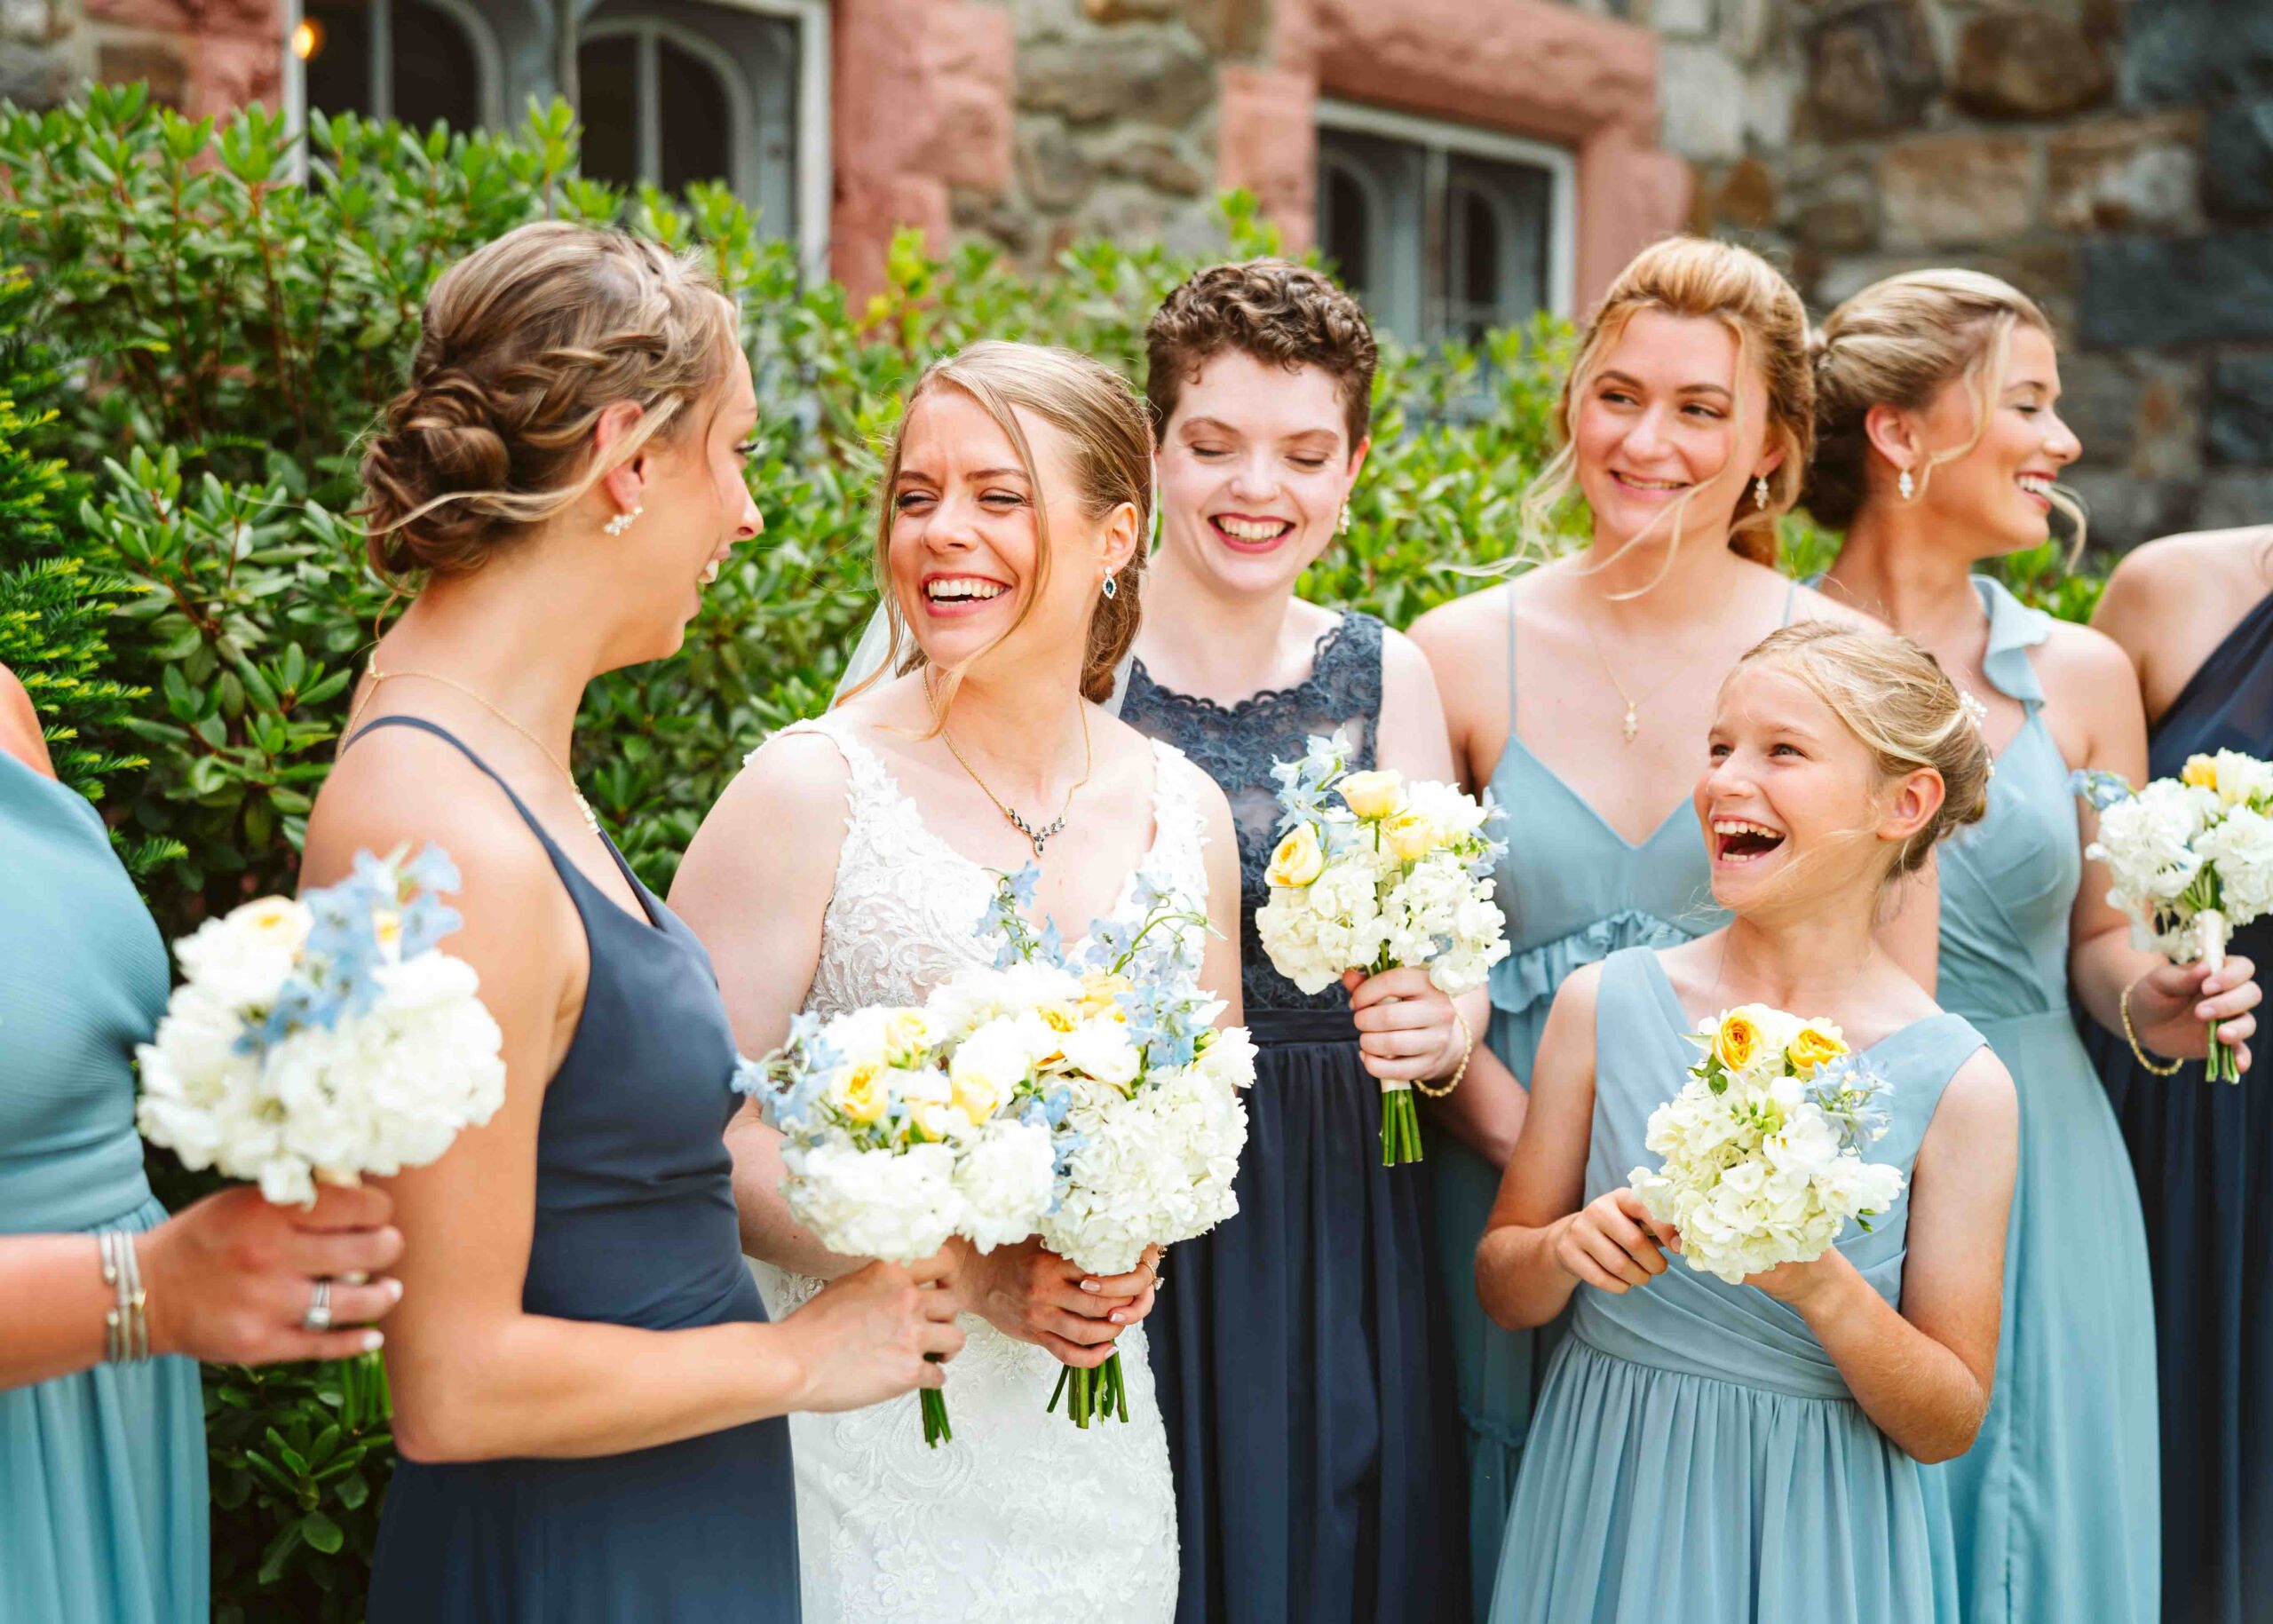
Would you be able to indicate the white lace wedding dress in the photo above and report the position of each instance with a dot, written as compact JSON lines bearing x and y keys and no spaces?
{"x":1022,"y":1517}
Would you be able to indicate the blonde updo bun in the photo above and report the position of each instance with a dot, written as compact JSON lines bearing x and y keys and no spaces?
{"x":523,"y":345}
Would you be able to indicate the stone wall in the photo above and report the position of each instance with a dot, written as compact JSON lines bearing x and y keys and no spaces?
{"x":203,"y":56}
{"x":2114,"y":160}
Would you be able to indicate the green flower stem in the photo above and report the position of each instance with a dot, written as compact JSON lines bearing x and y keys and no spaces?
{"x":935,"y":1429}
{"x":1090,"y":1394}
{"x":1400,"y":1128}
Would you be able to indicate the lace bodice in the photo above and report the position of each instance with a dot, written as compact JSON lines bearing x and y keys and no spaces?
{"x":1023,"y":1515}
{"x":1236,"y":744}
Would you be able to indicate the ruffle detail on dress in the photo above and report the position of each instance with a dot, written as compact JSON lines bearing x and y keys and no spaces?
{"x":1522,"y":979}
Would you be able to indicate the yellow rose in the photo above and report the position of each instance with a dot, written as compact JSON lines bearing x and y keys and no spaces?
{"x":1412,"y":834}
{"x":862,"y":1094}
{"x":1738,"y":1041}
{"x":1060,"y":1021}
{"x":1373,"y":794}
{"x":1101,"y":992}
{"x":1299,"y":859}
{"x":976,"y":1097}
{"x":2201,"y":772}
{"x":907,"y":1033}
{"x":1817,"y":1042}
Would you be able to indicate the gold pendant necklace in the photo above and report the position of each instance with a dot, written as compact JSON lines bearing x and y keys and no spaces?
{"x":1632,"y":726}
{"x":1037,"y":837}
{"x":591,"y":821}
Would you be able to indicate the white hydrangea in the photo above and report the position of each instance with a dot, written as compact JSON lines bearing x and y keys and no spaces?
{"x":899,"y":1204}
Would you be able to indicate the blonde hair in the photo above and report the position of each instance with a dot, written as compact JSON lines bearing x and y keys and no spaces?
{"x":1698,"y":278}
{"x":523,"y":344}
{"x":1896,"y":698}
{"x":1898,"y":343}
{"x":1111,"y":453}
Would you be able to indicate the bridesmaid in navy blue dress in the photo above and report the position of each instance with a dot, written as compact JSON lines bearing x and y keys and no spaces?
{"x":588,"y":1403}
{"x":2194,"y":615}
{"x":1300,"y":1357}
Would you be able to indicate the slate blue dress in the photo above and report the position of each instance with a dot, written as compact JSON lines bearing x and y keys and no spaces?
{"x":1574,"y":891}
{"x":1299,"y":1354}
{"x":2203,"y":1155}
{"x":103,"y":1498}
{"x":1696,"y":1455}
{"x":2056,"y":1508}
{"x":636,"y":1225}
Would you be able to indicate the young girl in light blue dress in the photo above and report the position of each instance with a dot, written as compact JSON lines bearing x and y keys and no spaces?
{"x":1718,"y":1452}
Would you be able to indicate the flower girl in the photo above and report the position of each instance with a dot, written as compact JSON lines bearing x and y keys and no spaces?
{"x":1722,"y":1452}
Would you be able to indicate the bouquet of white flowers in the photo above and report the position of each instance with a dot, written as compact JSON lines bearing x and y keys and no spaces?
{"x":2192,"y":860}
{"x":1143,"y":1093}
{"x":324,"y":1039}
{"x":906,"y":1125}
{"x":1762,"y":1145}
{"x":1374,"y":873}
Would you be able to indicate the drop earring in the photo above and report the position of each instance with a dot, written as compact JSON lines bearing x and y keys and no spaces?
{"x":1907,"y":486}
{"x":622,"y":521}
{"x":1760,"y":491}
{"x":1343,"y":526}
{"x":1110,"y":588}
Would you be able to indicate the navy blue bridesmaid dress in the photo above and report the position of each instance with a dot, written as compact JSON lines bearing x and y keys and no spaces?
{"x":634,"y":1225}
{"x":1297,"y":1348}
{"x":2203,"y":1152}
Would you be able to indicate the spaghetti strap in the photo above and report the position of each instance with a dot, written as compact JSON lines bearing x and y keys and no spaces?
{"x":1791,"y":595}
{"x":1511,"y":659}
{"x":466,"y":750}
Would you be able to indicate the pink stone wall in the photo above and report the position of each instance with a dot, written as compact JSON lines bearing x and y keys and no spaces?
{"x":921,"y":107}
{"x":1525,"y":67}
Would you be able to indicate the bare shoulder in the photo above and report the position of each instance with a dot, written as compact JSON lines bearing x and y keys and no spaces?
{"x":21,"y":735}
{"x":1808,"y":603}
{"x":1462,"y":630}
{"x":1980,"y":1104}
{"x":1576,"y":999}
{"x":2085,"y":662}
{"x":1408,"y":681}
{"x":402,"y":787}
{"x":797,"y":772}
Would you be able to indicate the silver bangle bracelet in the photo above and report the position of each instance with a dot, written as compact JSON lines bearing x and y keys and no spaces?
{"x":126,"y":1327}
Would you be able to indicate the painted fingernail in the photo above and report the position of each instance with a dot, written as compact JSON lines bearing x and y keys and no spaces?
{"x":1117,"y":1317}
{"x":394,"y":1291}
{"x":373,"y":1341}
{"x":1091,"y":1286}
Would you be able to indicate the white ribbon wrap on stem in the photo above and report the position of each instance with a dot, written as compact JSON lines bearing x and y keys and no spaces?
{"x":2211,"y":933}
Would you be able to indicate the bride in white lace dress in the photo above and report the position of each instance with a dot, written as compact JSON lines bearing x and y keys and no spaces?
{"x":849,"y":864}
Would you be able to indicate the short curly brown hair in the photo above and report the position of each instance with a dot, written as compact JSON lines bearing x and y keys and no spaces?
{"x":1273,"y":310}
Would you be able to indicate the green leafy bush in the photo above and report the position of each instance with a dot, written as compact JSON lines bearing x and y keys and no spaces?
{"x":219,"y":332}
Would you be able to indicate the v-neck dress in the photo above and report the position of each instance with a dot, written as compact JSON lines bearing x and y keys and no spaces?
{"x":2055,"y":1507}
{"x":1696,"y":1454}
{"x":1574,"y":891}
{"x":2203,"y":1152}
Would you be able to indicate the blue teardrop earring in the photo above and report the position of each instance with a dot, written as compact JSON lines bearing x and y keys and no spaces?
{"x":1111,"y":588}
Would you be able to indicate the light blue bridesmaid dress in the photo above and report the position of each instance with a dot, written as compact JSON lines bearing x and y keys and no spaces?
{"x":1696,"y":1455}
{"x":1575,"y":890}
{"x":2055,"y":1508}
{"x":103,"y":1499}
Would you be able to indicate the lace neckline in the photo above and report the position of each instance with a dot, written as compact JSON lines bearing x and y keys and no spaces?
{"x":888,"y":788}
{"x":1322,"y":651}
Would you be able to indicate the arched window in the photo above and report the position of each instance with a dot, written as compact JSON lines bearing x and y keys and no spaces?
{"x":417,"y":61}
{"x":1444,"y":231}
{"x":661,"y":104}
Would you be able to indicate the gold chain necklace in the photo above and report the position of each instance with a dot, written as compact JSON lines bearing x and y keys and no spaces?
{"x":1633,"y":723}
{"x":1038,"y":837}
{"x":378,"y":677}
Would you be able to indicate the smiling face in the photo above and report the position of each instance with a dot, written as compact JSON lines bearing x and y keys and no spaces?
{"x":1790,"y":787}
{"x":1254,"y":468}
{"x":1998,"y":491}
{"x":697,"y":506}
{"x":1660,"y":421}
{"x":964,"y":551}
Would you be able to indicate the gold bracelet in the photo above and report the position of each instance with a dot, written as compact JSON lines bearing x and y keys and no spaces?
{"x":1468,"y":1037}
{"x":2123,"y":1005}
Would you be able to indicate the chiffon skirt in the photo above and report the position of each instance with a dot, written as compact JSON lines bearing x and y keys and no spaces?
{"x":2056,"y":1509}
{"x":1649,"y":1494}
{"x":1300,"y":1366}
{"x":103,"y":1497}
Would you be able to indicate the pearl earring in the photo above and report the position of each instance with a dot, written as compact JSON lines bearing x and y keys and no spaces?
{"x":1342,"y":527}
{"x":1907,"y":486}
{"x":1760,"y":491}
{"x":622,"y":521}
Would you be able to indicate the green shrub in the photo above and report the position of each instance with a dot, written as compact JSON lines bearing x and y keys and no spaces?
{"x":218,"y":334}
